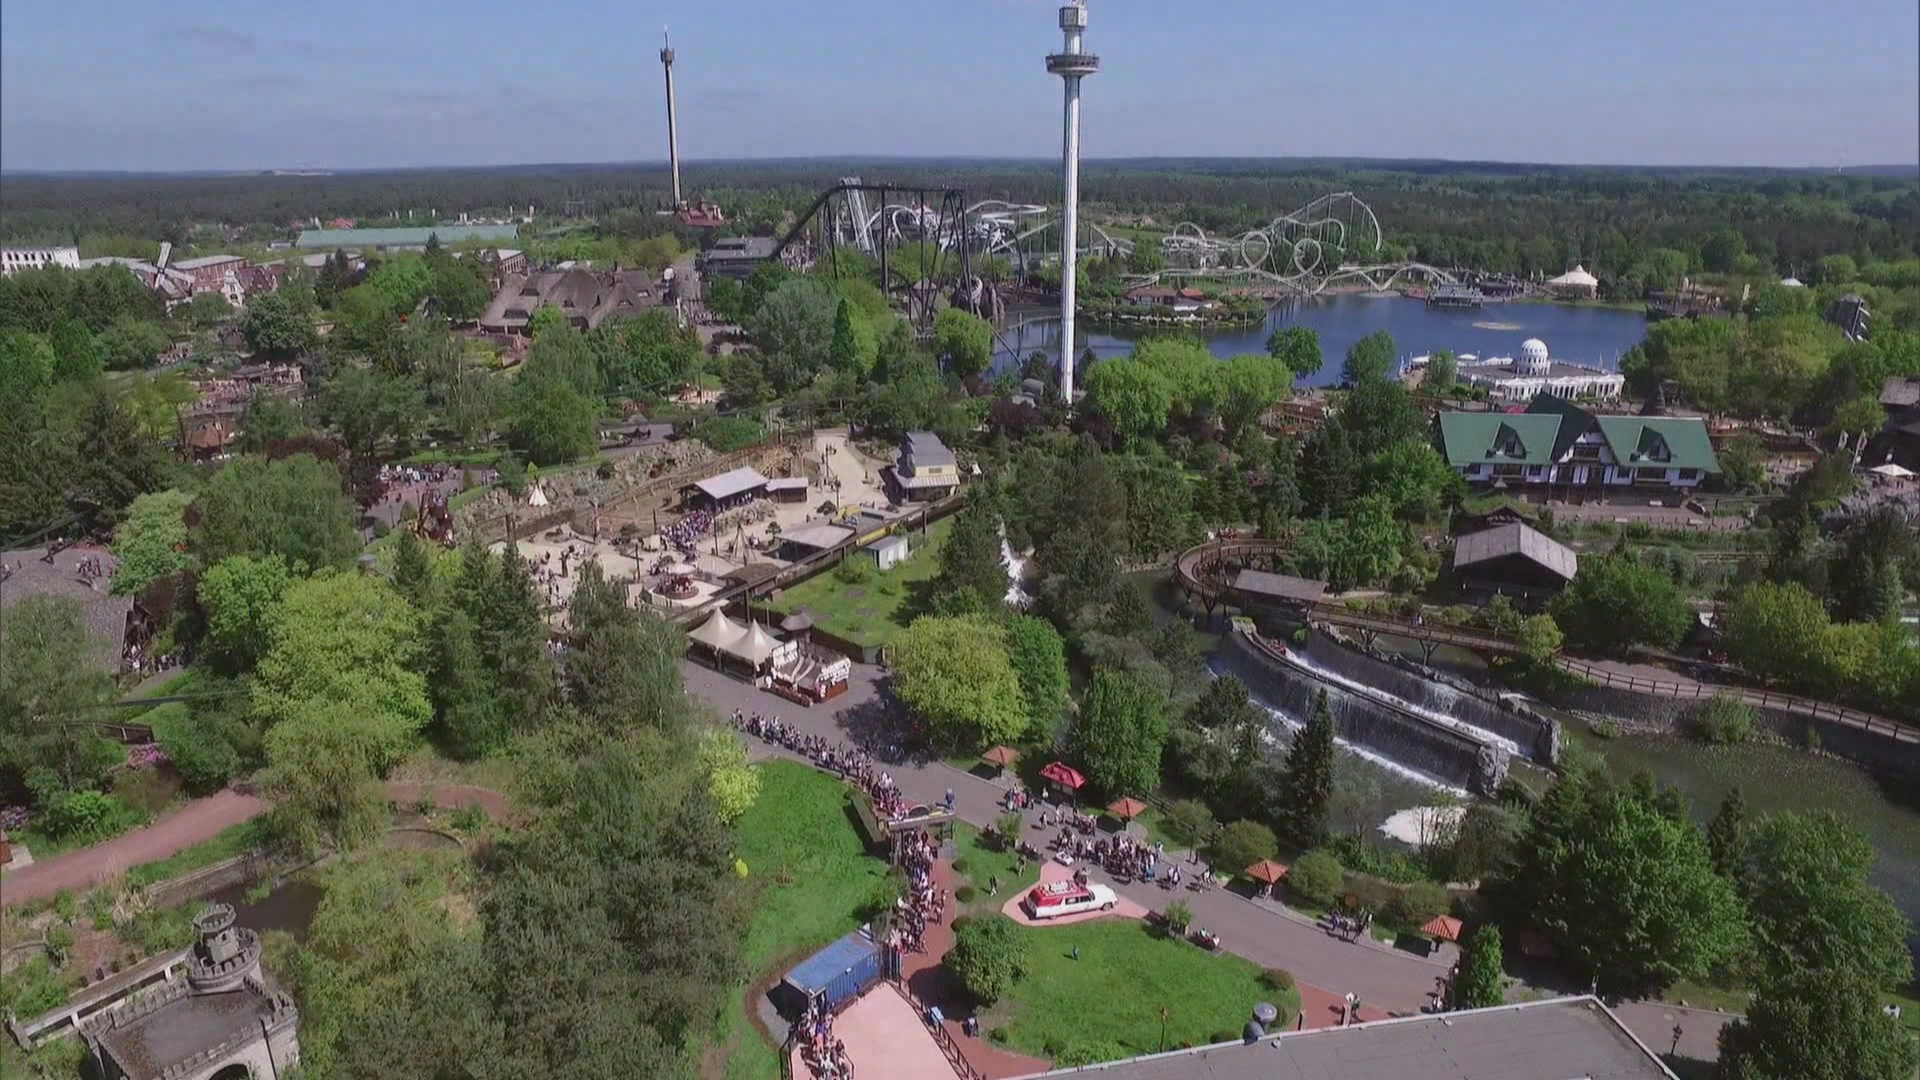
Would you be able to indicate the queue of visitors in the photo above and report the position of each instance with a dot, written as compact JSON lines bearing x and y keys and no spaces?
{"x":824,"y":1055}
{"x":921,"y":904}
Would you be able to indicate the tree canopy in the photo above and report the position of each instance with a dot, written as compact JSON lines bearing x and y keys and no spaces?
{"x":955,"y":673}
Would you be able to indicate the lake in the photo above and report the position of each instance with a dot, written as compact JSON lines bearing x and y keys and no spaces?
{"x":1582,"y":335}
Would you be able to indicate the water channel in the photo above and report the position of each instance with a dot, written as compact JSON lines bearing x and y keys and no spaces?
{"x":1773,"y":777}
{"x":1582,"y":335}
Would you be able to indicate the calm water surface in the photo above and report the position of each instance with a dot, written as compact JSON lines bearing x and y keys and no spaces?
{"x":1581,"y":335}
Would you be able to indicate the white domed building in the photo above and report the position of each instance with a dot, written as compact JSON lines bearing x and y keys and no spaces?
{"x":1535,"y":371}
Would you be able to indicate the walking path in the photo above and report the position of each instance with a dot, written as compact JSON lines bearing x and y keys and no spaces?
{"x":1390,"y":980}
{"x":199,"y":820}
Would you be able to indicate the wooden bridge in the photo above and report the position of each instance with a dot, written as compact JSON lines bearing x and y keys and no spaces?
{"x":1205,"y":573}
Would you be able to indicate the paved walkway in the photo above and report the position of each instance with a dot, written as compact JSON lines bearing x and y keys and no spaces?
{"x":1390,"y":980}
{"x":199,"y":820}
{"x":884,"y":1037}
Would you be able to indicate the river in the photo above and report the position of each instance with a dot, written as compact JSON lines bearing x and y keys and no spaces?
{"x":1582,"y":335}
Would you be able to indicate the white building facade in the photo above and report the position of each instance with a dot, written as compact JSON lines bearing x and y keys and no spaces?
{"x":1535,"y":372}
{"x":14,"y":260}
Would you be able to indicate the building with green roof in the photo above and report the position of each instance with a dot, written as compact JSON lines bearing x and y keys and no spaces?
{"x":1556,"y":444}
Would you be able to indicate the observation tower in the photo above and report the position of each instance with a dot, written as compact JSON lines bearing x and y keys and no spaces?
{"x":673,"y":136}
{"x":1071,"y":63}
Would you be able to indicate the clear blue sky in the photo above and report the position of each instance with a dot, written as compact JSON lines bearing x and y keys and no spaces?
{"x":218,"y":84}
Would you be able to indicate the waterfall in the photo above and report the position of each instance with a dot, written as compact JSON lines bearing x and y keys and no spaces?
{"x":1472,"y":715}
{"x":1292,"y":724}
{"x":1017,"y":594}
{"x":1438,"y":717}
{"x":1409,"y":740}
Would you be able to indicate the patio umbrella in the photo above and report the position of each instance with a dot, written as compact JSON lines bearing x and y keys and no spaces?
{"x":1001,"y":756}
{"x":679,"y":569}
{"x":1064,"y":775}
{"x":1126,"y":809}
{"x":1443,"y":927}
{"x":1268,"y":871}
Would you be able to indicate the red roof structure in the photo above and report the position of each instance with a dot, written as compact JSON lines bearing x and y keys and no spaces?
{"x":1064,"y":775}
{"x":1443,"y":927}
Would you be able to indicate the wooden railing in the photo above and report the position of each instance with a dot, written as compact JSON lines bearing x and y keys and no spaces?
{"x":1768,"y":699}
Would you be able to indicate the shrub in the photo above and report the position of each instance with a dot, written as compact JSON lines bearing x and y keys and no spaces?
{"x":1242,"y":844}
{"x":1007,"y":828}
{"x":1723,"y":721}
{"x":1315,"y":878}
{"x":1605,"y":729}
{"x":989,"y":954}
{"x":31,"y":989}
{"x":729,"y":433}
{"x":87,"y":815}
{"x":202,"y":753}
{"x":1189,"y":822}
{"x":59,"y":945}
{"x":1418,"y":903}
{"x":1179,"y":916}
{"x":854,"y":570}
{"x":1278,"y":980}
{"x":469,"y":819}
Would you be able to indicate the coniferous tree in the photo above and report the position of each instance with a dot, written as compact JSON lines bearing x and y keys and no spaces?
{"x":972,"y":577}
{"x":413,"y":570}
{"x":1307,"y":781}
{"x":1727,"y":835}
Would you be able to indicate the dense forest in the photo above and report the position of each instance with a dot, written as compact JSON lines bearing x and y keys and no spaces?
{"x":1513,"y":218}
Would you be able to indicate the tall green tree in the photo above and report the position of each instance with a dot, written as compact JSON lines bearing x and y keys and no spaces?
{"x":1370,"y":359}
{"x":1307,"y":781}
{"x":1727,"y":836}
{"x":292,"y":507}
{"x":1806,"y":885}
{"x":956,"y":675}
{"x":1481,"y":982}
{"x":240,"y":598}
{"x":1298,"y":349}
{"x":1619,"y":601}
{"x":53,"y":678}
{"x":1039,"y":658}
{"x":1626,"y":887}
{"x":1119,"y":732}
{"x":1817,"y":1025}
{"x":276,"y":327}
{"x":1442,"y":371}
{"x":152,"y":542}
{"x":1132,"y":397}
{"x":972,"y":574}
{"x":622,"y":667}
{"x":347,"y":645}
{"x":963,"y":341}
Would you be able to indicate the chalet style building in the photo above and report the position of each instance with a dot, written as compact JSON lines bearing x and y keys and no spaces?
{"x":1556,"y":444}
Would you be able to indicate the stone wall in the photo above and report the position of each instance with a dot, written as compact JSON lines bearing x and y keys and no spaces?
{"x":1654,"y":714}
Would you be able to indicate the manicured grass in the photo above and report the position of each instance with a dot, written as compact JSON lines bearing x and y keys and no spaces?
{"x":1106,"y":1004}
{"x":980,"y":861}
{"x":877,"y":610}
{"x":809,"y":870}
{"x":225,"y":844}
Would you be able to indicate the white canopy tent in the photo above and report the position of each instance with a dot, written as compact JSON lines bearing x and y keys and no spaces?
{"x":718,"y":633}
{"x":1892,"y":471}
{"x":756,"y":646}
{"x":1576,"y":278}
{"x":537,"y":496}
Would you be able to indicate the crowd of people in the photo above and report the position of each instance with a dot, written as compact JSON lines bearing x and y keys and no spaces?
{"x":1121,"y":855}
{"x":824,"y":1055}
{"x":921,"y":904}
{"x":1349,"y":927}
{"x":851,"y":763}
{"x":684,"y":534}
{"x":548,"y":576}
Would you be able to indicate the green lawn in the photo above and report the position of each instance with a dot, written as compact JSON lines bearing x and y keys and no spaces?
{"x":875,"y":611}
{"x":809,"y":871}
{"x":980,"y":861}
{"x":1107,"y":1004}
